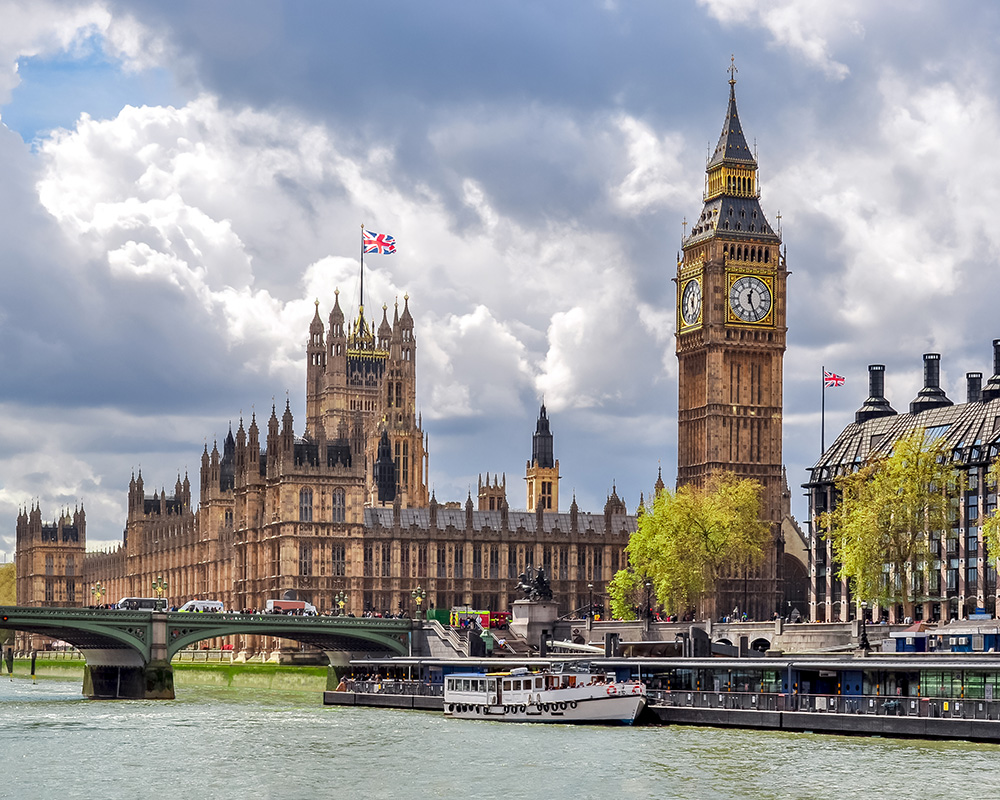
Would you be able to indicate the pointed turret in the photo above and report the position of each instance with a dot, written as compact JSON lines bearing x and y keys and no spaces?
{"x":384,"y":329}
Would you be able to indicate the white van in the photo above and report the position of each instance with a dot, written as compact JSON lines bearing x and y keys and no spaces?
{"x":206,"y":606}
{"x":142,"y":604}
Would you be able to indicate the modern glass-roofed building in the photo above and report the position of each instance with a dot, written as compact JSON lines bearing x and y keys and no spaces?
{"x":957,"y":581}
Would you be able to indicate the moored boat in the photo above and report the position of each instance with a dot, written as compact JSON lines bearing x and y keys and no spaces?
{"x":567,"y":693}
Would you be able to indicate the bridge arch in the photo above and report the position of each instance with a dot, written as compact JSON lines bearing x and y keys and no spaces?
{"x":761,"y":645}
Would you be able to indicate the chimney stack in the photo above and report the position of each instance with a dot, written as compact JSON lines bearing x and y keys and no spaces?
{"x":974,"y":384}
{"x":931,"y":396}
{"x":992,"y":389}
{"x":876,"y":405}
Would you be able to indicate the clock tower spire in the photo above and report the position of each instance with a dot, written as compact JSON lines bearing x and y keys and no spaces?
{"x":730,"y":344}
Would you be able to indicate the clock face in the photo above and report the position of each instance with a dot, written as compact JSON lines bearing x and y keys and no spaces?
{"x":750,"y":298}
{"x":691,"y":302}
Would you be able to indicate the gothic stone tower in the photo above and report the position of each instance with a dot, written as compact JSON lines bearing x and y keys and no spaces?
{"x":361,"y":381}
{"x":542,"y":472}
{"x":730,"y":345}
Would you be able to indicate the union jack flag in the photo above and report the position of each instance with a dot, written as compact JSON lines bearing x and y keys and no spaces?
{"x":381,"y":243}
{"x":831,"y":379}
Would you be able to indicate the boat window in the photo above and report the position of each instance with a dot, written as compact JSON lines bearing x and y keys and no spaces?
{"x":506,"y":686}
{"x":538,"y":683}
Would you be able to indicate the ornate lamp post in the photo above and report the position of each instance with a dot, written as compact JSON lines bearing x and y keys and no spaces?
{"x":98,"y":591}
{"x":159,"y":586}
{"x":590,"y":608}
{"x":341,"y":600}
{"x":418,"y":596}
{"x":863,"y":643}
{"x":649,"y":608}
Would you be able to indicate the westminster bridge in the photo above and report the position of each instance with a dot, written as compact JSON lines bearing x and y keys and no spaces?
{"x":128,"y":653}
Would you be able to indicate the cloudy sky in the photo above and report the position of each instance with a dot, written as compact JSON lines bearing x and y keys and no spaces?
{"x":180,"y":181}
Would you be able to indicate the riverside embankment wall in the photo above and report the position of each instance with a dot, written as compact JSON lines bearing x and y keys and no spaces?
{"x":276,"y":677}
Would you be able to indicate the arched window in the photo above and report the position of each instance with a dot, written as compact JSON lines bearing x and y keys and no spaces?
{"x":306,"y":505}
{"x":339,"y":505}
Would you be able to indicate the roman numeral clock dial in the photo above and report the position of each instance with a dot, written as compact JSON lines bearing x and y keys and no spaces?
{"x":750,"y":299}
{"x":691,"y":302}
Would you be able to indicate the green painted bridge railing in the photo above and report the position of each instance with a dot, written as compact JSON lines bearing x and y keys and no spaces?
{"x":159,"y":635}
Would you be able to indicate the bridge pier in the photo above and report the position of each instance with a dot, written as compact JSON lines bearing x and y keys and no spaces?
{"x":153,"y":681}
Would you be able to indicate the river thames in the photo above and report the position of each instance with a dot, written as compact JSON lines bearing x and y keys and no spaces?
{"x":212,"y":743}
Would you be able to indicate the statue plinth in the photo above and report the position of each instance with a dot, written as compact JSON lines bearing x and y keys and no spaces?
{"x":530,"y":617}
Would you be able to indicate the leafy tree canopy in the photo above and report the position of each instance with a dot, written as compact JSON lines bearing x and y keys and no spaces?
{"x":884,"y":514}
{"x":687,"y":539}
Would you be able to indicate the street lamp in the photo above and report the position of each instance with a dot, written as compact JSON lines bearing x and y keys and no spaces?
{"x":590,"y":608}
{"x":159,"y":586}
{"x":418,"y":596}
{"x":97,"y":591}
{"x":863,"y":643}
{"x":649,"y":608}
{"x":341,"y":600}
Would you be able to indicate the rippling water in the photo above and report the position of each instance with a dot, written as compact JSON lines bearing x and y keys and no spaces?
{"x":261,"y":745}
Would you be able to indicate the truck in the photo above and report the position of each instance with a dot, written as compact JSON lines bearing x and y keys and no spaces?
{"x":300,"y":607}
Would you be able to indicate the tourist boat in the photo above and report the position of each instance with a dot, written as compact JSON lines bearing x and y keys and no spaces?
{"x":569,"y":693}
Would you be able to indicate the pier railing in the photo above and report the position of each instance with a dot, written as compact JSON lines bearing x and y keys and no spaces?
{"x":418,"y":688}
{"x":876,"y":705}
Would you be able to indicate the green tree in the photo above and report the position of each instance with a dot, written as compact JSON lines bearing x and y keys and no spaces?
{"x":687,"y":539}
{"x":991,"y":525}
{"x":8,"y":591}
{"x":8,"y":594}
{"x":885,"y":512}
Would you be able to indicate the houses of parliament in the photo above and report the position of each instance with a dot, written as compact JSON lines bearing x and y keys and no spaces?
{"x":335,"y":508}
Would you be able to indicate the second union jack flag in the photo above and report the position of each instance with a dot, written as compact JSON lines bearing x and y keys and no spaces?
{"x":381,"y":243}
{"x":831,"y":379}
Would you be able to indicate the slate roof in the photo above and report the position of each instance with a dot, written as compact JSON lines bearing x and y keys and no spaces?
{"x":972,"y":430}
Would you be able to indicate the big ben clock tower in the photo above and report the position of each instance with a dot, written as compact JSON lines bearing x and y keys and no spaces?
{"x":730,"y":344}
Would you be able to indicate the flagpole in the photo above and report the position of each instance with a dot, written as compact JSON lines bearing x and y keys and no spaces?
{"x":822,"y":416}
{"x":362,"y":268}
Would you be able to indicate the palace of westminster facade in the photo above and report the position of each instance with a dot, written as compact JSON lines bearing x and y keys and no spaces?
{"x":341,"y":512}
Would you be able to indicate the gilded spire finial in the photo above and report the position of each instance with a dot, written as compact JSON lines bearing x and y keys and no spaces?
{"x":732,"y":70}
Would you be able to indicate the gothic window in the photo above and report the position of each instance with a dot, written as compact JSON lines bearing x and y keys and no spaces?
{"x":369,"y":559}
{"x":547,"y":561}
{"x":386,"y":560}
{"x":306,"y":505}
{"x":442,"y":563}
{"x":421,"y":560}
{"x":338,"y":561}
{"x":459,"y":561}
{"x":339,"y":505}
{"x":50,"y":567}
{"x":305,"y":559}
{"x":477,"y":560}
{"x":406,"y":465}
{"x":598,"y":564}
{"x":70,"y":566}
{"x":70,"y":590}
{"x":50,"y":591}
{"x":512,"y":571}
{"x":404,"y":560}
{"x":494,"y":561}
{"x":229,"y":518}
